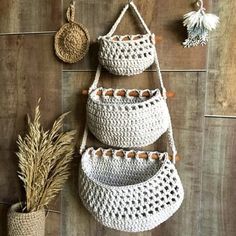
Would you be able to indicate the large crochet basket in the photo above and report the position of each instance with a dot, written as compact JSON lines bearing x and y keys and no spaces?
{"x":129,"y":193}
{"x":127,"y":54}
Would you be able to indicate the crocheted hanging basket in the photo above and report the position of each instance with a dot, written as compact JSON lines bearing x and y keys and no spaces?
{"x":22,"y":224}
{"x":72,"y":40}
{"x":128,"y":54}
{"x":129,"y":194}
{"x":127,"y":121}
{"x":128,"y":57}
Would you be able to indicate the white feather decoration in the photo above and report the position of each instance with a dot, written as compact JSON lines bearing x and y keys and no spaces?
{"x":198,"y":24}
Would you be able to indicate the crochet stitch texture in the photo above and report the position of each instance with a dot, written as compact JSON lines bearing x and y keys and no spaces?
{"x":71,"y":42}
{"x":19,"y":224}
{"x":127,"y":122}
{"x":119,"y":188}
{"x":129,"y":194}
{"x":127,"y":57}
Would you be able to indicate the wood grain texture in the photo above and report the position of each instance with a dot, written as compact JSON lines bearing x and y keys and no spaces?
{"x":53,"y":226}
{"x":221,"y":89}
{"x":187,"y":110}
{"x":28,"y":70}
{"x":30,"y":16}
{"x":163,"y":18}
{"x":218,"y":178}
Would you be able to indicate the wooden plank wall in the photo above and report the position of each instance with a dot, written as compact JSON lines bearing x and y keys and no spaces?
{"x":203,"y":110}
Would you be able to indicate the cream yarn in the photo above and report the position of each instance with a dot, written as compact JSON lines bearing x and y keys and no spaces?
{"x":127,"y":57}
{"x":129,"y":194}
{"x":119,"y":188}
{"x":127,"y":122}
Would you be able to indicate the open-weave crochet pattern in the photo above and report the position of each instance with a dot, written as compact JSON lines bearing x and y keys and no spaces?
{"x":129,"y":194}
{"x":127,"y":122}
{"x":25,"y":224}
{"x":127,"y":54}
{"x":72,"y":40}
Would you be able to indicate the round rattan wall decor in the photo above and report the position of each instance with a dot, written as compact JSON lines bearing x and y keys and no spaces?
{"x":72,"y":40}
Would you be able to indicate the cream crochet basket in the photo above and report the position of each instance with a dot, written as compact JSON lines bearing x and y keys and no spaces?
{"x":129,"y":193}
{"x":127,"y":54}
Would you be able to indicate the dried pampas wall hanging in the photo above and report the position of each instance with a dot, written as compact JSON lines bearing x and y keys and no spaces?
{"x":198,"y":24}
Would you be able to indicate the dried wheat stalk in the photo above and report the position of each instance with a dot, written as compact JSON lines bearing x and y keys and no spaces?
{"x":44,"y":159}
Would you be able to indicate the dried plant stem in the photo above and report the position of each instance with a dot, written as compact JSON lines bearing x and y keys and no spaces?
{"x":44,"y":160}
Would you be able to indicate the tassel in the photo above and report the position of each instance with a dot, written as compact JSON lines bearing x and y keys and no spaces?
{"x":198,"y":24}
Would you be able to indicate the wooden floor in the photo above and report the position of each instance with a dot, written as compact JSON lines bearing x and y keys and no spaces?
{"x":203,"y":110}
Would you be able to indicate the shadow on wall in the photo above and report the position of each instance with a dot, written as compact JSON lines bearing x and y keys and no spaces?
{"x":3,"y":218}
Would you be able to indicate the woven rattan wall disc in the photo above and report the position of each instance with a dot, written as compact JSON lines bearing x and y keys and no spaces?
{"x":72,"y":40}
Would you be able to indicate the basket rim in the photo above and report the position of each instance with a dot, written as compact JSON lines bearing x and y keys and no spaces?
{"x":14,"y":207}
{"x":109,"y":38}
{"x":155,"y":95}
{"x":84,"y":161}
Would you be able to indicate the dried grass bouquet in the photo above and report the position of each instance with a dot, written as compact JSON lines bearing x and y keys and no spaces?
{"x":44,"y":160}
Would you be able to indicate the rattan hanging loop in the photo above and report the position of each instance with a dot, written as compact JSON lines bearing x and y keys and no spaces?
{"x":72,"y":40}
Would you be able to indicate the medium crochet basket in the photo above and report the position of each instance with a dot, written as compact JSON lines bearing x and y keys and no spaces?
{"x":127,"y":54}
{"x":127,"y":121}
{"x":129,"y":193}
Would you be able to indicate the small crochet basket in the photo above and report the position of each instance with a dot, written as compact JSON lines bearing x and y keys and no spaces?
{"x":127,"y":54}
{"x":128,"y":121}
{"x":126,"y":193}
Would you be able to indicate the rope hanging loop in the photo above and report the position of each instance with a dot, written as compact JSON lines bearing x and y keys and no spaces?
{"x":70,"y":13}
{"x":199,"y":4}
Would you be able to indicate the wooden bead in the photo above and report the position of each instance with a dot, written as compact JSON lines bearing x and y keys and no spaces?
{"x":121,"y":93}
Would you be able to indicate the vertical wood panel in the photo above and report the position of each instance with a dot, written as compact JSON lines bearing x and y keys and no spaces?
{"x":53,"y":224}
{"x":163,"y":17}
{"x":28,"y":70}
{"x":187,"y":110}
{"x":218,"y":178}
{"x":30,"y":16}
{"x":221,"y":89}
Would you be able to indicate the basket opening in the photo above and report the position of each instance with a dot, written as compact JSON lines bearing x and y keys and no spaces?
{"x":126,"y":37}
{"x":124,"y":97}
{"x":120,"y":171}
